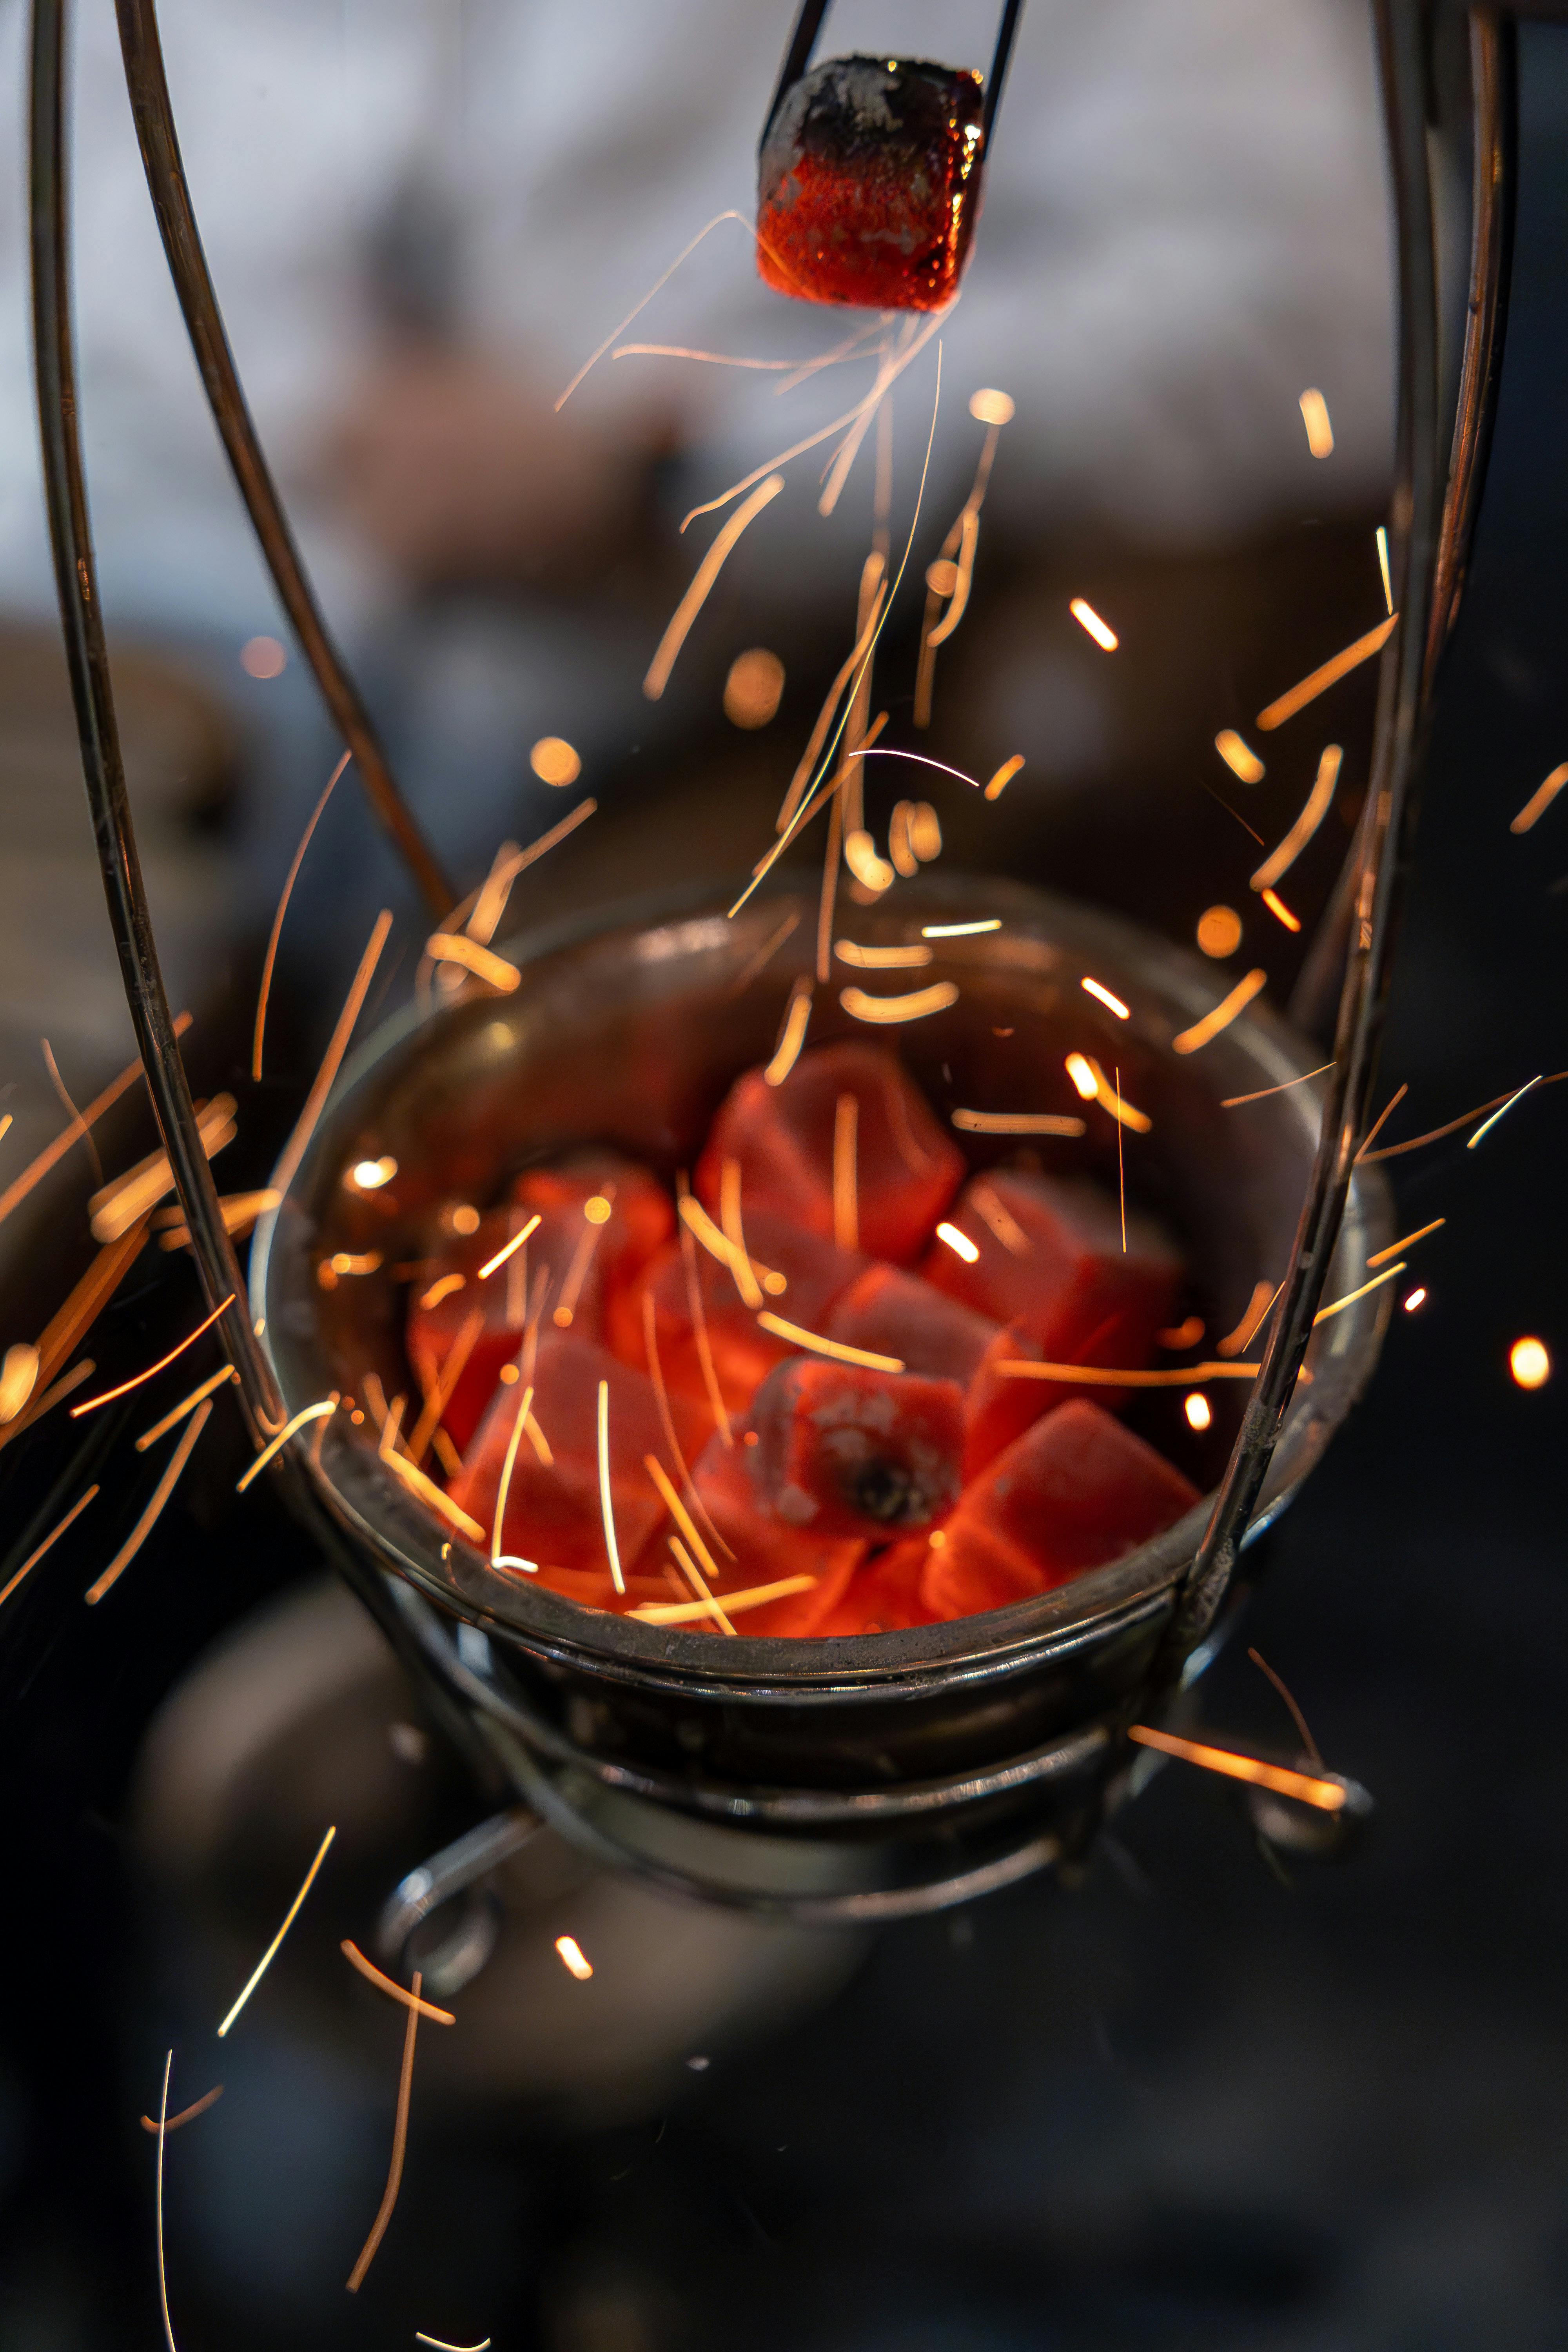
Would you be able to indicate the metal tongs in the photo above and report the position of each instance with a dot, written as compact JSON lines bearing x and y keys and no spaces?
{"x":803,"y":40}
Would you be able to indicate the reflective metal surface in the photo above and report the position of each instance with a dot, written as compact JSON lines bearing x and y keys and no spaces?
{"x":874,"y":1768}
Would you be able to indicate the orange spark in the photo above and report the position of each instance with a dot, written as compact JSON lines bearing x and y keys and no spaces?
{"x":1016,"y":1122}
{"x":270,"y":958}
{"x":500,"y":1258}
{"x":1224,"y":1013}
{"x":837,"y":1348}
{"x":497,"y":1558}
{"x":961,"y":930}
{"x":683,"y":1520}
{"x":697,"y":595}
{"x":1414,"y":1299}
{"x":84,"y":1304}
{"x":881,"y":958}
{"x":746,"y":1282}
{"x":1240,"y":756}
{"x":890,"y":1009}
{"x":399,"y":2141}
{"x":427,"y":1491}
{"x":18,"y":1379}
{"x":1339,"y":1304}
{"x":77,"y":1508}
{"x":659,"y":284}
{"x":239,"y":1212}
{"x":1235,"y":1102}
{"x":699,"y":1332}
{"x":755,"y":1596}
{"x":370,"y":1175}
{"x":818,"y":736}
{"x":446,"y":1287}
{"x":1004,"y":776}
{"x":331,"y":1061}
{"x":1328,"y":1796}
{"x":117,"y":1207}
{"x":1103,"y":1376}
{"x":270,"y":1955}
{"x":125,"y":1387}
{"x":322,"y":1412}
{"x":1280,"y":910}
{"x":1112,"y":1003}
{"x":186,"y":1404}
{"x":186,"y":2115}
{"x":1394,"y":1248}
{"x":1530,"y":1361}
{"x":1084,"y":614}
{"x":925,"y":832}
{"x":555,"y":762}
{"x":158,"y":2203}
{"x":1315,"y":418}
{"x":1219,"y":931}
{"x":1264,"y":1294}
{"x":455,"y":947}
{"x":792,"y":1035}
{"x":161,"y":1493}
{"x":1092,"y":1082}
{"x":1185,"y":1333}
{"x":695,"y":1578}
{"x":1318,"y":801}
{"x":1320,"y":680}
{"x":1501,"y":1111}
{"x":958,"y":1241}
{"x":53,"y":1153}
{"x":607,"y":1504}
{"x":573,"y":1958}
{"x":872,"y":873}
{"x":1198,"y":1411}
{"x":440,"y":1394}
{"x":373,"y":1975}
{"x":1540,"y":800}
{"x":67,"y":1104}
{"x":846,"y":1187}
{"x":1382,"y":537}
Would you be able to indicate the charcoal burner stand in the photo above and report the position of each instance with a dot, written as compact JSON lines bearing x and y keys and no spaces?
{"x":1447,"y":76}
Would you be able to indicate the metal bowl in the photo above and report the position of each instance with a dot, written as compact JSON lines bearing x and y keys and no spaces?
{"x":854,"y":1777}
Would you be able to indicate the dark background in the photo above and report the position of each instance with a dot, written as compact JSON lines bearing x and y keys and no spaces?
{"x":1197,"y":2101}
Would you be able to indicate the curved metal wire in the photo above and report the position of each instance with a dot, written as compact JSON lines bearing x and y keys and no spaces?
{"x":158,"y":140}
{"x":91,"y":692}
{"x":1430,"y":536}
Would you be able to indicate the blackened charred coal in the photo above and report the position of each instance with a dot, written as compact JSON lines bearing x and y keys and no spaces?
{"x":868,"y":183}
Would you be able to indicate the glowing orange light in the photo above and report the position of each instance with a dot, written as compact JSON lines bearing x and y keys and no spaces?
{"x":959,"y":930}
{"x":989,"y":407}
{"x":1082,"y":1076}
{"x":1416,"y":1299}
{"x":107,"y":1395}
{"x":1326,"y":1795}
{"x":1540,"y":800}
{"x":370,"y":1175}
{"x":263,"y":658}
{"x":554,"y":760}
{"x":1198,"y":1411}
{"x":399,"y":2142}
{"x":1315,"y":418}
{"x":958,"y":1241}
{"x":837,"y":1348}
{"x":1239,"y":757}
{"x":1317,"y":807}
{"x":1224,"y":1013}
{"x":1319,"y":681}
{"x":755,"y":1596}
{"x":457,"y":948}
{"x":268,"y":1957}
{"x":753,"y":689}
{"x":573,"y":1958}
{"x":1280,"y":910}
{"x":465,"y":1218}
{"x":1004,"y":776}
{"x":1112,"y":1003}
{"x":696,"y":596}
{"x":373,"y":1975}
{"x":890,"y":1009}
{"x":1084,"y":614}
{"x":1530,"y":1361}
{"x":1219,"y":931}
{"x":1016,"y":1122}
{"x":1382,"y":567}
{"x":792,"y":1035}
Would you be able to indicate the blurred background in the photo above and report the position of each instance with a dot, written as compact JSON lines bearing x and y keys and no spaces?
{"x":1195,"y":2098}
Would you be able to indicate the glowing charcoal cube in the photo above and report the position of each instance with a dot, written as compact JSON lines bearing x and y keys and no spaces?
{"x":896,"y":1169}
{"x":742,"y":1353}
{"x":553,"y":1511}
{"x":601,"y":1218}
{"x":885,"y":1595}
{"x":1078,"y":1489}
{"x":765,"y":1550}
{"x":868,"y":184}
{"x":895,"y":1314}
{"x":1048,"y":1261}
{"x":851,"y":1452}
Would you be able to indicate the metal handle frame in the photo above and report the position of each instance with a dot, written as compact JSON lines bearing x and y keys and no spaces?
{"x":1437,"y":487}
